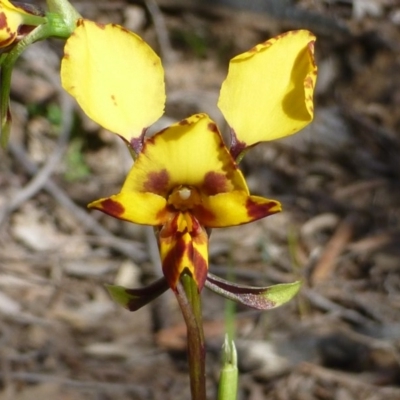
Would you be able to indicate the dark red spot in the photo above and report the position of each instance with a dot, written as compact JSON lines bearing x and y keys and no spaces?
{"x":3,"y":20}
{"x":79,"y":22}
{"x":112,"y":207}
{"x":258,"y":211}
{"x":66,"y":56}
{"x":157,"y":182}
{"x":212,"y":127}
{"x":214,"y":183}
{"x":184,"y":122}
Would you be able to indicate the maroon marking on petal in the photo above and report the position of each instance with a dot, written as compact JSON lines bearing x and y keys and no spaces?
{"x":3,"y":20}
{"x":157,"y":182}
{"x":214,"y":183}
{"x":184,"y":122}
{"x":79,"y":22}
{"x":172,"y":260}
{"x":257,"y":211}
{"x":137,"y":143}
{"x":170,"y":228}
{"x":236,"y":145}
{"x":112,"y":207}
{"x":212,"y":127}
{"x":203,"y":215}
{"x":114,"y":100}
{"x":200,"y":268}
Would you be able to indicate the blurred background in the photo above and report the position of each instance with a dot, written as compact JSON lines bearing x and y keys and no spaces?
{"x":62,"y":338}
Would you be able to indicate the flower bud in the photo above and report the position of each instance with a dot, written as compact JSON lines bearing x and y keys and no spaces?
{"x":16,"y":21}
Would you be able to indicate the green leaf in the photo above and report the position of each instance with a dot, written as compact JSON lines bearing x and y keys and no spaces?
{"x":260,"y":298}
{"x":133,"y":299}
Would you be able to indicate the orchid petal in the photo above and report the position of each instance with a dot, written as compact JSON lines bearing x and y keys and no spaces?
{"x":184,"y":247}
{"x":190,"y":153}
{"x":260,"y":298}
{"x":139,"y":208}
{"x":115,"y":76}
{"x":134,"y":299}
{"x":234,"y":208}
{"x":268,"y":93}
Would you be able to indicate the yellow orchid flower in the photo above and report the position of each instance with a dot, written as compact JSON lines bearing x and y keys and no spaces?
{"x":12,"y":18}
{"x":185,"y":180}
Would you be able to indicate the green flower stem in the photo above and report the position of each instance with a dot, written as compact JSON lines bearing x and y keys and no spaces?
{"x":189,"y":299}
{"x":56,"y":26}
{"x":33,"y":20}
{"x":7,"y":64}
{"x":64,"y":9}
